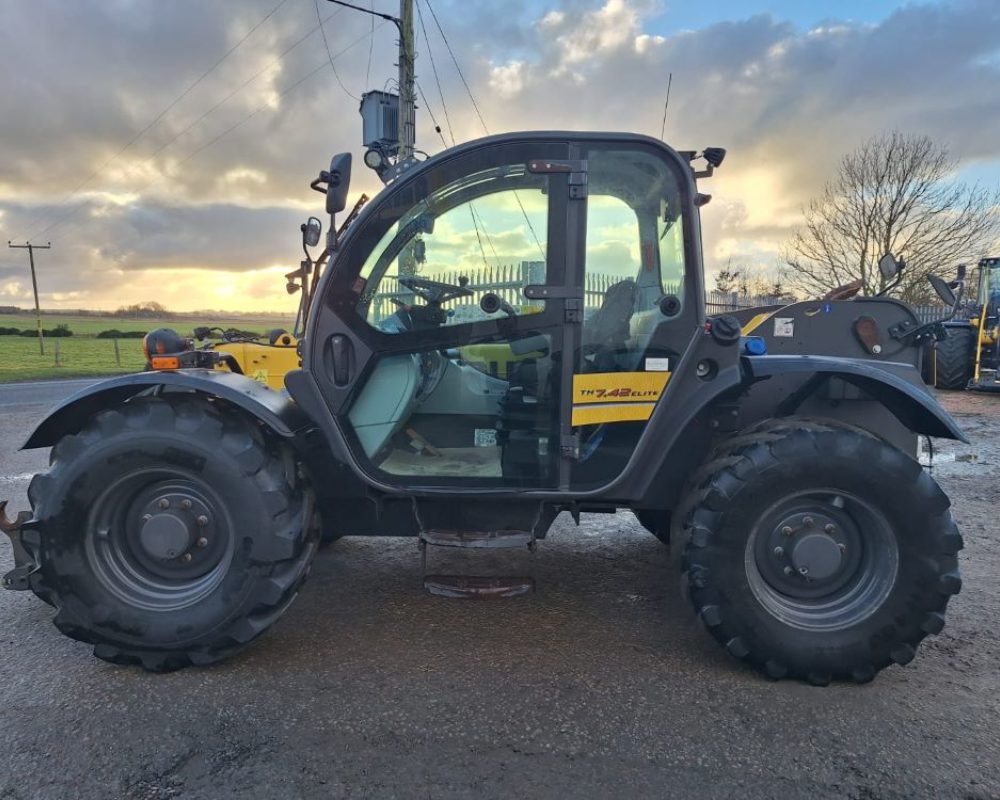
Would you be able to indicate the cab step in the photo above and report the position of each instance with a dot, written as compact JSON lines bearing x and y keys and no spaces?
{"x":486,"y":539}
{"x":476,"y":586}
{"x":483,"y":586}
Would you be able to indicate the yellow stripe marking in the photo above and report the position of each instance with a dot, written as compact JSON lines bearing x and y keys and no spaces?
{"x":757,"y":321}
{"x":616,"y":396}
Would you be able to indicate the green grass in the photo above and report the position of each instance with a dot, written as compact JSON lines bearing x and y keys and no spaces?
{"x":83,"y":355}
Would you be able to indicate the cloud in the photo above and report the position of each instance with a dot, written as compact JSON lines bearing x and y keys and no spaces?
{"x":81,"y":80}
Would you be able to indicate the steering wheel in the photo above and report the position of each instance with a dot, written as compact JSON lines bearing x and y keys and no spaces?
{"x":435,"y":292}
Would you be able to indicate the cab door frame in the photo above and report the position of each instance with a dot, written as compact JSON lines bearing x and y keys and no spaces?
{"x":343,"y":347}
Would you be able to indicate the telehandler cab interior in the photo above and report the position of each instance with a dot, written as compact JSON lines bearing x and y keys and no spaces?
{"x":183,"y":505}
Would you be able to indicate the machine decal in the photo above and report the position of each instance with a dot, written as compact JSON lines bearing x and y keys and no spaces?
{"x":616,"y":396}
{"x":784,"y":326}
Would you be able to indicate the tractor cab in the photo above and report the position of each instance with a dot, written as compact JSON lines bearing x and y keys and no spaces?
{"x":506,"y":315}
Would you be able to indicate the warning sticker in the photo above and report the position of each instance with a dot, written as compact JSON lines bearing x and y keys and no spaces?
{"x":260,"y":376}
{"x":486,"y":437}
{"x":784,"y":326}
{"x":657,"y":365}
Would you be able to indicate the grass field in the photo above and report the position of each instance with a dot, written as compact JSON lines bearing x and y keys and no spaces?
{"x":82,"y":354}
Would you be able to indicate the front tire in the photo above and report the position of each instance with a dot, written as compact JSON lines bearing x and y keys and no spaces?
{"x":169,"y":532}
{"x":953,"y":358}
{"x":820,"y":553}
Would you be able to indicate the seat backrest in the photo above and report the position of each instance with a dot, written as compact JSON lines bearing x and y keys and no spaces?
{"x":609,"y":325}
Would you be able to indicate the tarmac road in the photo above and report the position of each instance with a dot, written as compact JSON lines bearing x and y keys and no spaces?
{"x":600,"y":685}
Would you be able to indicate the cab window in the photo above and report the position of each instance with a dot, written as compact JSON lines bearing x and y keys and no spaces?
{"x":485,"y":233}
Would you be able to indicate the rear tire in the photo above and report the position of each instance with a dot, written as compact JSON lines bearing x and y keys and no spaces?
{"x":953,"y":360}
{"x":867,"y":603}
{"x":169,"y":532}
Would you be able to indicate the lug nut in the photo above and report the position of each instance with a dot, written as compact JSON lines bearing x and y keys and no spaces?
{"x":202,"y":542}
{"x":787,"y":530}
{"x":186,"y":558}
{"x":163,"y":503}
{"x":842,"y":546}
{"x":147,"y":517}
{"x":830,"y":528}
{"x":202,"y":520}
{"x":789,"y":571}
{"x":186,"y":504}
{"x":807,"y":521}
{"x":803,"y":570}
{"x":779,"y":552}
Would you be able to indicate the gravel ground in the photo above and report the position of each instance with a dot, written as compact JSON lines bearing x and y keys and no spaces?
{"x":600,"y":685}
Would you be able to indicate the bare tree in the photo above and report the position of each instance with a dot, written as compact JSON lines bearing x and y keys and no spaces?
{"x":894,"y":194}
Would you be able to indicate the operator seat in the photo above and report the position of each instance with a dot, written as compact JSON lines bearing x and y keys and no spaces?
{"x":606,"y":333}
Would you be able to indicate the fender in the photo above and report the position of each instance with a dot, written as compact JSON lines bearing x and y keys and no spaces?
{"x":275,"y":409}
{"x":895,"y":385}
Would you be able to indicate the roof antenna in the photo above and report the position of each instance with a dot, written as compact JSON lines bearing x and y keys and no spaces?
{"x":663,"y":125}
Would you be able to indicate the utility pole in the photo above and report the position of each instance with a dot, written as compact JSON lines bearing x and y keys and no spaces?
{"x":407,"y":92}
{"x":406,"y":126}
{"x":34,"y":283}
{"x":407,"y":114}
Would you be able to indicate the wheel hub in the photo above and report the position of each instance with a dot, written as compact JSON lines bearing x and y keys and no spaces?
{"x":810,"y":551}
{"x":174,"y":532}
{"x":165,"y":536}
{"x":817,"y":556}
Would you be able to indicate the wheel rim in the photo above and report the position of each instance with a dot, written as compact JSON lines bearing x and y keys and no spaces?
{"x":821,"y":560}
{"x":159,"y":539}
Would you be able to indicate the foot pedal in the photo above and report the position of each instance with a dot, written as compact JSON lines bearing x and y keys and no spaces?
{"x":478,"y":586}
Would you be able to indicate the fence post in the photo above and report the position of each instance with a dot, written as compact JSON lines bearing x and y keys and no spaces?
{"x":118,"y":355}
{"x":56,"y":350}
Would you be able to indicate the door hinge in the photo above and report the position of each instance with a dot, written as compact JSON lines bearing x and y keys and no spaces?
{"x":577,"y":170}
{"x":573,"y":312}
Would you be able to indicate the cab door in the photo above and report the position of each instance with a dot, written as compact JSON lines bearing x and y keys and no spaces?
{"x":445,"y":333}
{"x":639,"y":269}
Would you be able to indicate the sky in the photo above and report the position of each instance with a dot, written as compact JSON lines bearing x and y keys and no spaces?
{"x":165,"y":149}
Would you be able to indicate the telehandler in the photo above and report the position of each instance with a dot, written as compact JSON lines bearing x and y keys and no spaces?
{"x":775,"y":452}
{"x":969,"y":357}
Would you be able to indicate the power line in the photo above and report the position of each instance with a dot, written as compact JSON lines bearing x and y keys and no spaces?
{"x":29,"y":225}
{"x":479,"y":113}
{"x":149,"y":160}
{"x":666,"y":104}
{"x":371,"y":46}
{"x":451,"y":52}
{"x":437,"y":80}
{"x":259,"y":108}
{"x":326,"y":44}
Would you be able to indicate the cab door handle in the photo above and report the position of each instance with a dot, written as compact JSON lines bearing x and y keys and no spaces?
{"x":342,"y":359}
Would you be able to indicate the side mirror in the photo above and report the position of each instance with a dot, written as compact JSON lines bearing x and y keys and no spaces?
{"x":889,"y":267}
{"x":943,"y":291}
{"x":961,"y":272}
{"x":311,"y":229}
{"x":338,"y":183}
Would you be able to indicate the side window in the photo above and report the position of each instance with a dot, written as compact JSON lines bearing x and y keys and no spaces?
{"x":634,"y":228}
{"x":613,"y":244}
{"x":485,"y":233}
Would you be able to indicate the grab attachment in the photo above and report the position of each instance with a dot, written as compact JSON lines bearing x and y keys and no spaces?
{"x":24,"y":564}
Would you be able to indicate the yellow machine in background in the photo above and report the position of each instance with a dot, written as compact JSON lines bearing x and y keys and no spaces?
{"x":969,"y":356}
{"x":265,"y":363}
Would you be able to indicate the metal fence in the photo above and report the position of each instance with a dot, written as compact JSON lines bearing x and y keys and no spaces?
{"x":508,"y":282}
